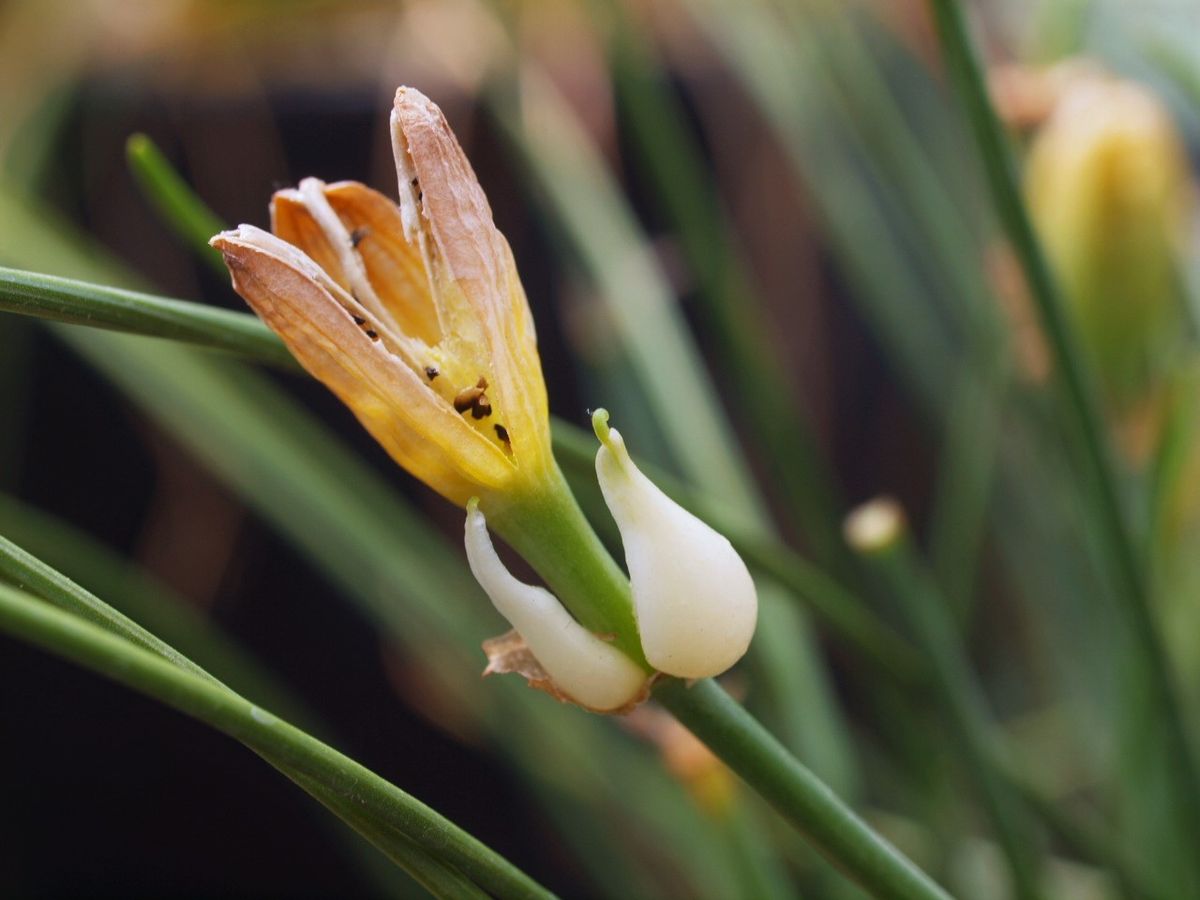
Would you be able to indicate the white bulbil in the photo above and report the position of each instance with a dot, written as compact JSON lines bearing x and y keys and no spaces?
{"x":591,"y":672}
{"x":695,"y":601}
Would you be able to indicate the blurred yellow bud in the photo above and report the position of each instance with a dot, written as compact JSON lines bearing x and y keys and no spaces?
{"x":1108,"y":187}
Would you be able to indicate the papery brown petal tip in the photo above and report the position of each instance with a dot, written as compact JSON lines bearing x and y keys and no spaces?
{"x":414,"y":113}
{"x":412,"y":98}
{"x":232,"y":236}
{"x":232,"y":247}
{"x":220,"y":238}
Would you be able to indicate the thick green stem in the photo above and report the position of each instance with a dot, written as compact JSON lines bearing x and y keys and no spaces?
{"x":747,"y":748}
{"x":1099,"y":474}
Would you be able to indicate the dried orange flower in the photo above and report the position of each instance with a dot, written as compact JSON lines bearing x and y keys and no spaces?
{"x":412,"y":314}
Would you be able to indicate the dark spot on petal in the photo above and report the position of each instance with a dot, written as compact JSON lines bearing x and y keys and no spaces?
{"x":372,"y":334}
{"x":465,"y":399}
{"x":431,"y":372}
{"x":358,"y":320}
{"x":474,"y":399}
{"x":357,"y":235}
{"x":502,"y":433}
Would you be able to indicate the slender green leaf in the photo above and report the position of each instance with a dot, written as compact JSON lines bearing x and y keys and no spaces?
{"x":81,"y":303}
{"x":966,"y":478}
{"x":174,"y":199}
{"x":118,"y":648}
{"x":76,"y":557}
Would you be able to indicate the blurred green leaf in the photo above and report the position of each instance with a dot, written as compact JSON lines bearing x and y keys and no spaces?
{"x":677,"y":175}
{"x":173,"y":199}
{"x":144,"y":599}
{"x":93,"y":634}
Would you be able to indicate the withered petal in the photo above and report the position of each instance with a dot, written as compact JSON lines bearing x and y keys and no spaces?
{"x":375,"y":234}
{"x":450,"y":210}
{"x":297,"y":300}
{"x":292,"y":222}
{"x":393,"y":264}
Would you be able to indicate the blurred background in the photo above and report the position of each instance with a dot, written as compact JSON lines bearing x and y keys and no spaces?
{"x":756,"y":232}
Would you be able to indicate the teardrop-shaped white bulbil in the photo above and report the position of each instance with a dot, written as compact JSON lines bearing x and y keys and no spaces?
{"x":585,"y":668}
{"x":694,"y":599}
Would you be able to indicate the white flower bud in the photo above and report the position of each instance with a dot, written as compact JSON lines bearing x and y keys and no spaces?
{"x":591,"y":672}
{"x":694,"y":599}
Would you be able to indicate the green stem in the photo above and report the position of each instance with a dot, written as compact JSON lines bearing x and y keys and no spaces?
{"x":184,"y":628}
{"x":962,"y":700}
{"x":114,"y":309}
{"x":1132,"y":593}
{"x":23,"y":568}
{"x":758,"y":758}
{"x":301,"y":756}
{"x":55,"y":556}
